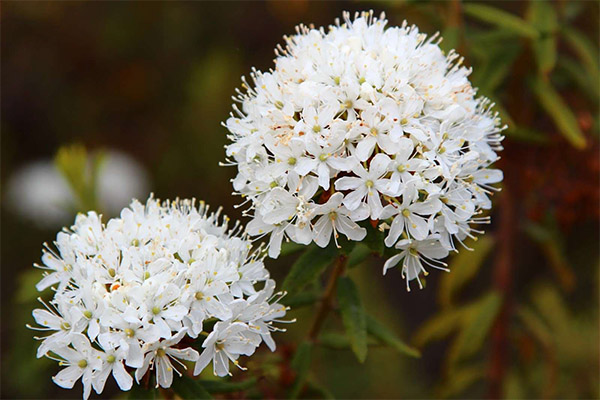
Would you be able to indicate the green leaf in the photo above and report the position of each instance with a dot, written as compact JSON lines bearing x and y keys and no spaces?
{"x":374,"y":239}
{"x":338,"y":341}
{"x":543,"y":17}
{"x":353,"y":316}
{"x":574,"y":71}
{"x":501,"y":19}
{"x":460,"y":379}
{"x":80,"y":171}
{"x":288,"y":248}
{"x":476,"y":327}
{"x":555,"y":107}
{"x":526,"y":134}
{"x":439,"y":326}
{"x":359,"y":253}
{"x":305,"y":298}
{"x":189,"y":388}
{"x":138,"y":392}
{"x":222,"y":386}
{"x":383,"y":334}
{"x":308,"y":268}
{"x":300,"y":364}
{"x":585,"y":50}
{"x":463,"y":267}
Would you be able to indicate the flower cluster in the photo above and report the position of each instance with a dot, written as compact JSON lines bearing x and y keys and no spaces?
{"x":134,"y":293}
{"x":357,"y":122}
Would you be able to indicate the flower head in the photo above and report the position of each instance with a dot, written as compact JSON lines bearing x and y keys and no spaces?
{"x":134,"y":293}
{"x":362,"y":121}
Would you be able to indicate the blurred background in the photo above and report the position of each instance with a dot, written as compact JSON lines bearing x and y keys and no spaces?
{"x":132,"y":95}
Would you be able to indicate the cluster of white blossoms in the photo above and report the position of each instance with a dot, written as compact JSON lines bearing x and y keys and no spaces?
{"x":358,"y":121}
{"x":134,"y":294}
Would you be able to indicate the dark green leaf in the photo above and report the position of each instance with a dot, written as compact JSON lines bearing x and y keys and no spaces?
{"x":288,"y":248}
{"x":374,"y":239}
{"x":501,"y":18}
{"x":353,"y":316}
{"x":138,"y":392}
{"x":476,"y":326}
{"x":555,"y":107}
{"x":223,"y":386}
{"x":305,"y":298}
{"x":463,"y":267}
{"x":384,"y":335}
{"x":338,"y":341}
{"x":300,"y":364}
{"x":189,"y":388}
{"x":586,"y":51}
{"x":308,"y":268}
{"x":542,"y":16}
{"x":526,"y":134}
{"x":439,"y":326}
{"x":360,"y":253}
{"x":460,"y":379}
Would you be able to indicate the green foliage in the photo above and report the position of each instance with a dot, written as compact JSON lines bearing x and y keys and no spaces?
{"x":81,"y":172}
{"x":556,"y":108}
{"x":463,"y":267}
{"x":311,"y":264}
{"x":500,"y":18}
{"x":386,"y":336}
{"x":353,"y":316}
{"x":542,"y":16}
{"x":301,"y":365}
{"x":189,"y":388}
{"x":139,"y":392}
{"x":475,"y":327}
{"x":359,"y":253}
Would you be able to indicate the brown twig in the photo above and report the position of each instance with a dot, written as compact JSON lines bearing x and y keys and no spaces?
{"x":327,"y":299}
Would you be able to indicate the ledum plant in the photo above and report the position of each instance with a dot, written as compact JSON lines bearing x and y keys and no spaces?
{"x":362,"y":139}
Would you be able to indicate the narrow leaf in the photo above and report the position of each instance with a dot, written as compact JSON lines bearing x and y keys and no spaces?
{"x":189,"y":388}
{"x":288,"y":248}
{"x":305,"y":298}
{"x":563,"y":117}
{"x":461,"y":379}
{"x":501,"y":18}
{"x":138,"y":392}
{"x":439,"y":326}
{"x":475,"y":327}
{"x":338,"y":341}
{"x":308,"y":268}
{"x":385,"y":335}
{"x":543,"y":17}
{"x":300,"y":364}
{"x":353,"y":316}
{"x":585,"y":50}
{"x":374,"y":239}
{"x":463,"y":267}
{"x":359,"y":253}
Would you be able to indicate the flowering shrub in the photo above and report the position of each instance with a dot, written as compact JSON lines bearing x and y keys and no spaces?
{"x":134,"y":292}
{"x":361,"y":122}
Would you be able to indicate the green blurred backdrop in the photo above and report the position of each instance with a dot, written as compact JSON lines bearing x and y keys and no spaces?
{"x":518,"y":317}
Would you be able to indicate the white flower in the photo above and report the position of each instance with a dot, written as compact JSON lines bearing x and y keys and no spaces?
{"x":159,"y":356}
{"x":336,"y":218}
{"x":131,"y":292}
{"x":379,"y":118}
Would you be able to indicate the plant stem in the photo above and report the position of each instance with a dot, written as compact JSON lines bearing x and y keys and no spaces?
{"x":327,"y":299}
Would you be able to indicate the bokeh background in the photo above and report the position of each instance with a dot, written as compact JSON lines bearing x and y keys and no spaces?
{"x":151,"y":82}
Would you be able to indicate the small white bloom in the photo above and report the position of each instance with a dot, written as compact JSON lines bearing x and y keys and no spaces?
{"x":379,"y":116}
{"x":131,"y":292}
